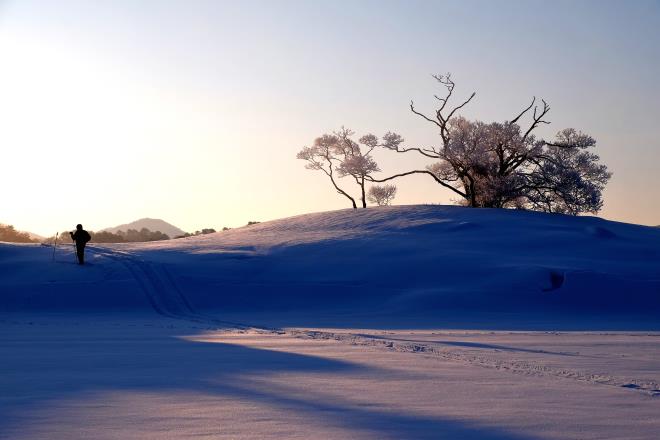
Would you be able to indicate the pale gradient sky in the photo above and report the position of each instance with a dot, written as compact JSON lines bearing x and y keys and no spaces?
{"x":193,"y":111}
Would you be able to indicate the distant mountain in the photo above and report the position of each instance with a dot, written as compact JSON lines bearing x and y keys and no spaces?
{"x":153,"y":224}
{"x":34,"y":236}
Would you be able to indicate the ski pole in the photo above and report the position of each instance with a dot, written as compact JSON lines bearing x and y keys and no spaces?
{"x":55,"y":245}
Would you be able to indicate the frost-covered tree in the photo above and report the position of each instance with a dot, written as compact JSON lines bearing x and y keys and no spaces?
{"x":565,"y":177}
{"x":337,"y":156}
{"x":322,"y":156}
{"x":382,"y":195}
{"x":355,"y":158}
{"x":505,"y":165}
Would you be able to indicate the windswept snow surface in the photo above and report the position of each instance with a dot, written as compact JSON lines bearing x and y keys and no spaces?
{"x":112,"y":377}
{"x":417,"y":322}
{"x":405,"y":261}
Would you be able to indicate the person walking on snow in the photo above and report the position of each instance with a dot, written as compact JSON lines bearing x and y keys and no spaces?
{"x":81,"y":237}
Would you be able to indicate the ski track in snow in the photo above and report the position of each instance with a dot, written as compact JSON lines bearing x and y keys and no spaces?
{"x":169,"y":301}
{"x":160,"y":289}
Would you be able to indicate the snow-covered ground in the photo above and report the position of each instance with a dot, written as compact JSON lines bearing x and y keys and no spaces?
{"x":107,"y":377}
{"x":406,"y":322}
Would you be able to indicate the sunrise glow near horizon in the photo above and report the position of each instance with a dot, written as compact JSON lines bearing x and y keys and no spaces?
{"x":193,"y":112}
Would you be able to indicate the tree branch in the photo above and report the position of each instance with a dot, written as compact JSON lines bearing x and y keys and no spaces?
{"x":423,"y":151}
{"x":446,"y":81}
{"x":514,"y":120}
{"x":538,"y":119}
{"x":412,"y":108}
{"x":441,"y":182}
{"x":461,"y":106}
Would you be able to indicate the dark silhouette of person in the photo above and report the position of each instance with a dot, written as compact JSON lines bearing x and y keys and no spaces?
{"x":81,"y":237}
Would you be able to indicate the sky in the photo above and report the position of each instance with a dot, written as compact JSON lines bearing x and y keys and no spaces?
{"x":193,"y":111}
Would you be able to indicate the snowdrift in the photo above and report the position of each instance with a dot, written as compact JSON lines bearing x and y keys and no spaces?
{"x":390,"y":259}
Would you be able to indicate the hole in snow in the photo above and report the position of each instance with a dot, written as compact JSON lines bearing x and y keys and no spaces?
{"x":556,"y":280}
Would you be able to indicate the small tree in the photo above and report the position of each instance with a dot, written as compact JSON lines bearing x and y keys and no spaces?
{"x":356,"y":163}
{"x":337,"y":156}
{"x":322,"y":156}
{"x":382,"y":195}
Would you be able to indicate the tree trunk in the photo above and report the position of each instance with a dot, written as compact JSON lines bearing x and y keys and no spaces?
{"x":468,"y":186}
{"x":341,"y":191}
{"x":364,"y":200}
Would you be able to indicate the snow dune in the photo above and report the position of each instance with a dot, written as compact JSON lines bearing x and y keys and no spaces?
{"x":407,"y":260}
{"x":402,"y":260}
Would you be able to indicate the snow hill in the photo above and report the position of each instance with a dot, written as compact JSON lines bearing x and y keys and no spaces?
{"x":401,"y":261}
{"x":153,"y":224}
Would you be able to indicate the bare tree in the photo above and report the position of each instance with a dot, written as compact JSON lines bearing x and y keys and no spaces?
{"x":382,"y":195}
{"x":322,"y":156}
{"x":337,"y":156}
{"x":504,"y":165}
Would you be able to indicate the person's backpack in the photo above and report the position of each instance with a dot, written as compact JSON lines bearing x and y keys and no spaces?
{"x":87,"y":237}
